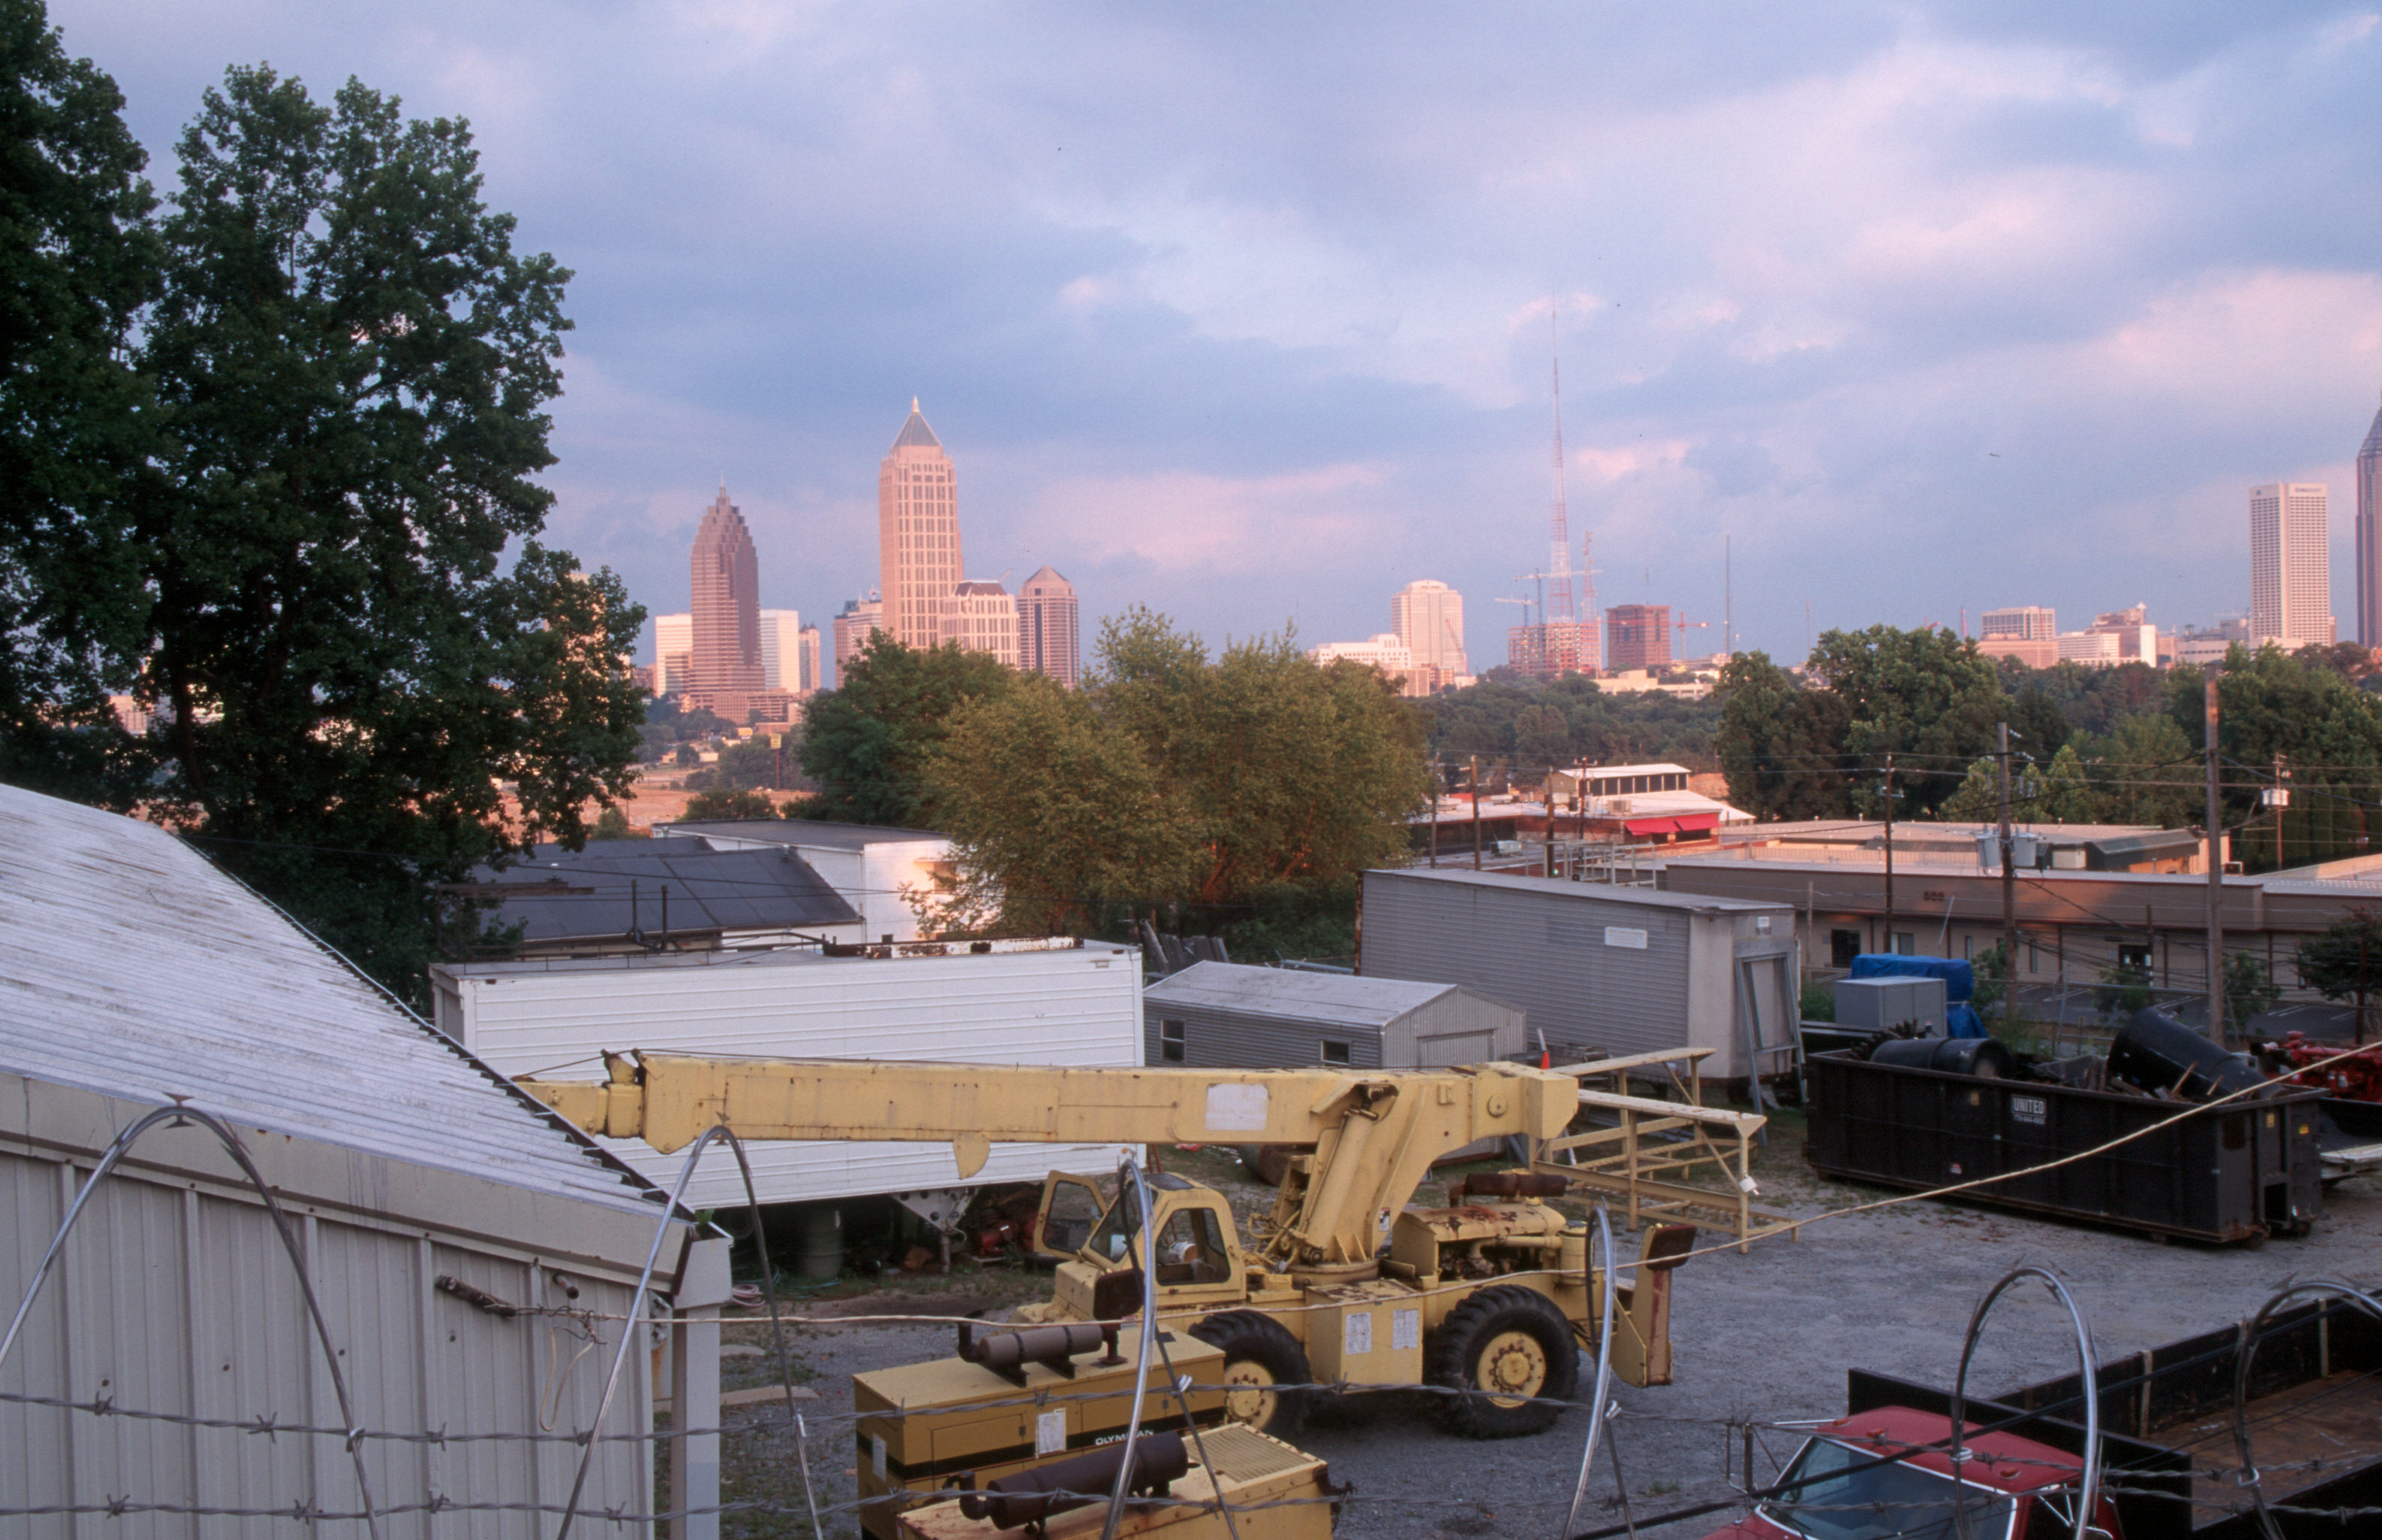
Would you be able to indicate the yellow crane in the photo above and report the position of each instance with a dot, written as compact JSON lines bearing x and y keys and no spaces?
{"x":1347,"y":1283}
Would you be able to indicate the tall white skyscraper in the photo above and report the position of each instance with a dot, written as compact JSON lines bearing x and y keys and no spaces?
{"x":2291,"y":564}
{"x":781,"y":650}
{"x":2369,"y":536}
{"x":1429,"y":617}
{"x":673,"y":652}
{"x":918,"y":535}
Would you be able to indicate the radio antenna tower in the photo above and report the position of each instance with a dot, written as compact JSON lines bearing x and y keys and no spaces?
{"x":1563,"y":644}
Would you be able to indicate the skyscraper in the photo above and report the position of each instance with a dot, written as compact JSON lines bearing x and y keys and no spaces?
{"x":982,"y":617}
{"x":1637,"y":636}
{"x":918,"y":534}
{"x":673,"y":652}
{"x":2369,"y":538}
{"x":725,"y":576}
{"x":781,"y":650}
{"x":859,"y":619}
{"x":2291,"y":564}
{"x":808,"y":645}
{"x":1048,"y":642}
{"x":1429,"y":617}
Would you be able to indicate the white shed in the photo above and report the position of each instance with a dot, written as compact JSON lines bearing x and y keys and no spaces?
{"x":169,"y":1362}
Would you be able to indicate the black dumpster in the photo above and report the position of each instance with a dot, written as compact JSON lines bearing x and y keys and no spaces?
{"x":2237,"y":1172}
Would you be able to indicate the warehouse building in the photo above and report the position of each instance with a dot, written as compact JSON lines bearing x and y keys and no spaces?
{"x":472,"y":1259}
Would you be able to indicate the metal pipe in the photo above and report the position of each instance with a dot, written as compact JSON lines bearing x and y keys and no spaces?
{"x":2088,"y":1370}
{"x":1603,"y":1377}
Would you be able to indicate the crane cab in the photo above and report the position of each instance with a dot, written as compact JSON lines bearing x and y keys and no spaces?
{"x":1191,"y":1246}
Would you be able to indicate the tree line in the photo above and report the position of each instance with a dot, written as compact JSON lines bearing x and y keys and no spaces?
{"x":1239,"y":793}
{"x":266,"y":457}
{"x":2121,"y":745}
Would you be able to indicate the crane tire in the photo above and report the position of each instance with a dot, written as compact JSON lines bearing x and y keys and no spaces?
{"x":1260,"y":1352}
{"x":1509,"y":1339}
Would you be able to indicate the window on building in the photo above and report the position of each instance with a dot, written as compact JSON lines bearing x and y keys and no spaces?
{"x":2135,"y":957}
{"x":1170,"y":1041}
{"x":1905,"y":943}
{"x":1843,"y":947}
{"x":1335,"y":1052}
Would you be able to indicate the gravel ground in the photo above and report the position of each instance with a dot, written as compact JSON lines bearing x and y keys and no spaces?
{"x":1766,"y":1335}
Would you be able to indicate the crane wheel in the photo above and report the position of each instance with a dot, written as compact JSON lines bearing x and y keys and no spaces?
{"x":1507,"y":1355}
{"x":1259,"y":1354}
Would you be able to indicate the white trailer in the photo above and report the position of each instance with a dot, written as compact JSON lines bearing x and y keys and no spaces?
{"x":1058,"y":1002}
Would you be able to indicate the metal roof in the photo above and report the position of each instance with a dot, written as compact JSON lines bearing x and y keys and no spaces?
{"x":915,"y":434}
{"x":1598,"y":892}
{"x":1340,"y":998}
{"x":709,"y":891}
{"x":132,"y":968}
{"x":799,"y":831}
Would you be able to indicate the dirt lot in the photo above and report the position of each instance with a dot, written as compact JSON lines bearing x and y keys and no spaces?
{"x":1766,"y":1335}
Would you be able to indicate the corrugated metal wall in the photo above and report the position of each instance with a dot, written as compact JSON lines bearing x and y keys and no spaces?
{"x":1453,"y":1029}
{"x":1077,"y":1007}
{"x":1218,"y":1039}
{"x":1570,"y":956}
{"x":176,"y":1297}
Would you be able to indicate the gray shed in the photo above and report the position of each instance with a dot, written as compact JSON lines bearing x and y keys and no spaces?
{"x":1627,"y":970}
{"x":134,"y":975}
{"x":1226,"y":1015}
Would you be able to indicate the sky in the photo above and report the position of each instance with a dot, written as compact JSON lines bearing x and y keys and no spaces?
{"x":1244,"y":312}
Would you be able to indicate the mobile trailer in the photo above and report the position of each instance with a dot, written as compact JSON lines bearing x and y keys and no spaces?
{"x":1061,"y":1003}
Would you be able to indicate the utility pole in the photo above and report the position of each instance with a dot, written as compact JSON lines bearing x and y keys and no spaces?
{"x":2010,"y":887}
{"x":1727,"y":597}
{"x":2216,"y":1033}
{"x":1476,"y":812}
{"x":1438,"y":785}
{"x":1889,"y":850}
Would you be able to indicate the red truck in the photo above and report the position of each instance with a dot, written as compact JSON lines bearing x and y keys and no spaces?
{"x":2168,"y":1458}
{"x":1843,"y":1485}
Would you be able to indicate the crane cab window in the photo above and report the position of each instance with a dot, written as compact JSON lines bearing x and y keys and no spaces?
{"x":1068,"y":1217}
{"x":1335,"y":1052}
{"x":1191,"y":1248}
{"x":1170,"y":1041}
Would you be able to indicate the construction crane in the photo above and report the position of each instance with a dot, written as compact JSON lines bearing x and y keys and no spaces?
{"x":1346,"y":1282}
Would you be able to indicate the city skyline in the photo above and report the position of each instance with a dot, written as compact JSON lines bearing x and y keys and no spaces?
{"x":2043,"y":274}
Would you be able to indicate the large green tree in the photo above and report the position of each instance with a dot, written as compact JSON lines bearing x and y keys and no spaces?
{"x":1256,"y":783}
{"x":2325,"y":733}
{"x":1782,"y":745}
{"x":351,"y":367}
{"x":869,"y":741}
{"x":78,"y":263}
{"x":1926,"y":695}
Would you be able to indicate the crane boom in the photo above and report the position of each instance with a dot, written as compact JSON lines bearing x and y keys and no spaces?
{"x":1375,"y":1133}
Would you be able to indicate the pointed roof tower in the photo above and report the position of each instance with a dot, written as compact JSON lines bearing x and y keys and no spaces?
{"x":2373,"y":444}
{"x":915,"y":434}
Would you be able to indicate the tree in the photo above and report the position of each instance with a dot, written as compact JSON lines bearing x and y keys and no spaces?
{"x":869,"y":741}
{"x":1055,"y":816}
{"x":351,"y":367}
{"x":2326,"y":732}
{"x":1246,"y":791}
{"x":2344,"y":961}
{"x":2250,"y":991}
{"x":2067,"y":795}
{"x":2147,"y":772}
{"x":613,"y":824}
{"x":1780,"y":744}
{"x":1926,"y":695}
{"x":730,"y":804}
{"x":78,"y":263}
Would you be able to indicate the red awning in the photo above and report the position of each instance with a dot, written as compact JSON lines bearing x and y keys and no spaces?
{"x":1650,"y":826}
{"x":1697,"y":823}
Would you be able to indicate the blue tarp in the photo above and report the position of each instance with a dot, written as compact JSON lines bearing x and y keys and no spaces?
{"x":1959,"y":983}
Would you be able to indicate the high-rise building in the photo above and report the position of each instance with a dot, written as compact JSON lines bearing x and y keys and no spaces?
{"x":781,"y":650}
{"x":982,"y":617}
{"x":2137,"y":637}
{"x":1428,"y":619}
{"x":2369,"y":538}
{"x":860,"y":619}
{"x":1386,"y":652}
{"x":918,"y":534}
{"x":2029,"y":633}
{"x":809,"y":648}
{"x":1637,"y":637}
{"x":673,"y":652}
{"x":1048,"y":633}
{"x":726,"y":580}
{"x":2291,"y":564}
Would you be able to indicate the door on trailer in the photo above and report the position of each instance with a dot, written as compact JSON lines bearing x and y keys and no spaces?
{"x":1768,"y":1007}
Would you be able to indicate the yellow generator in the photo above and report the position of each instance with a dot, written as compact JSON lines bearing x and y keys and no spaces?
{"x":1010,"y":1401}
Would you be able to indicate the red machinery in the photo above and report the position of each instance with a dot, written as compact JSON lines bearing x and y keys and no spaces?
{"x":2355,"y":1080}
